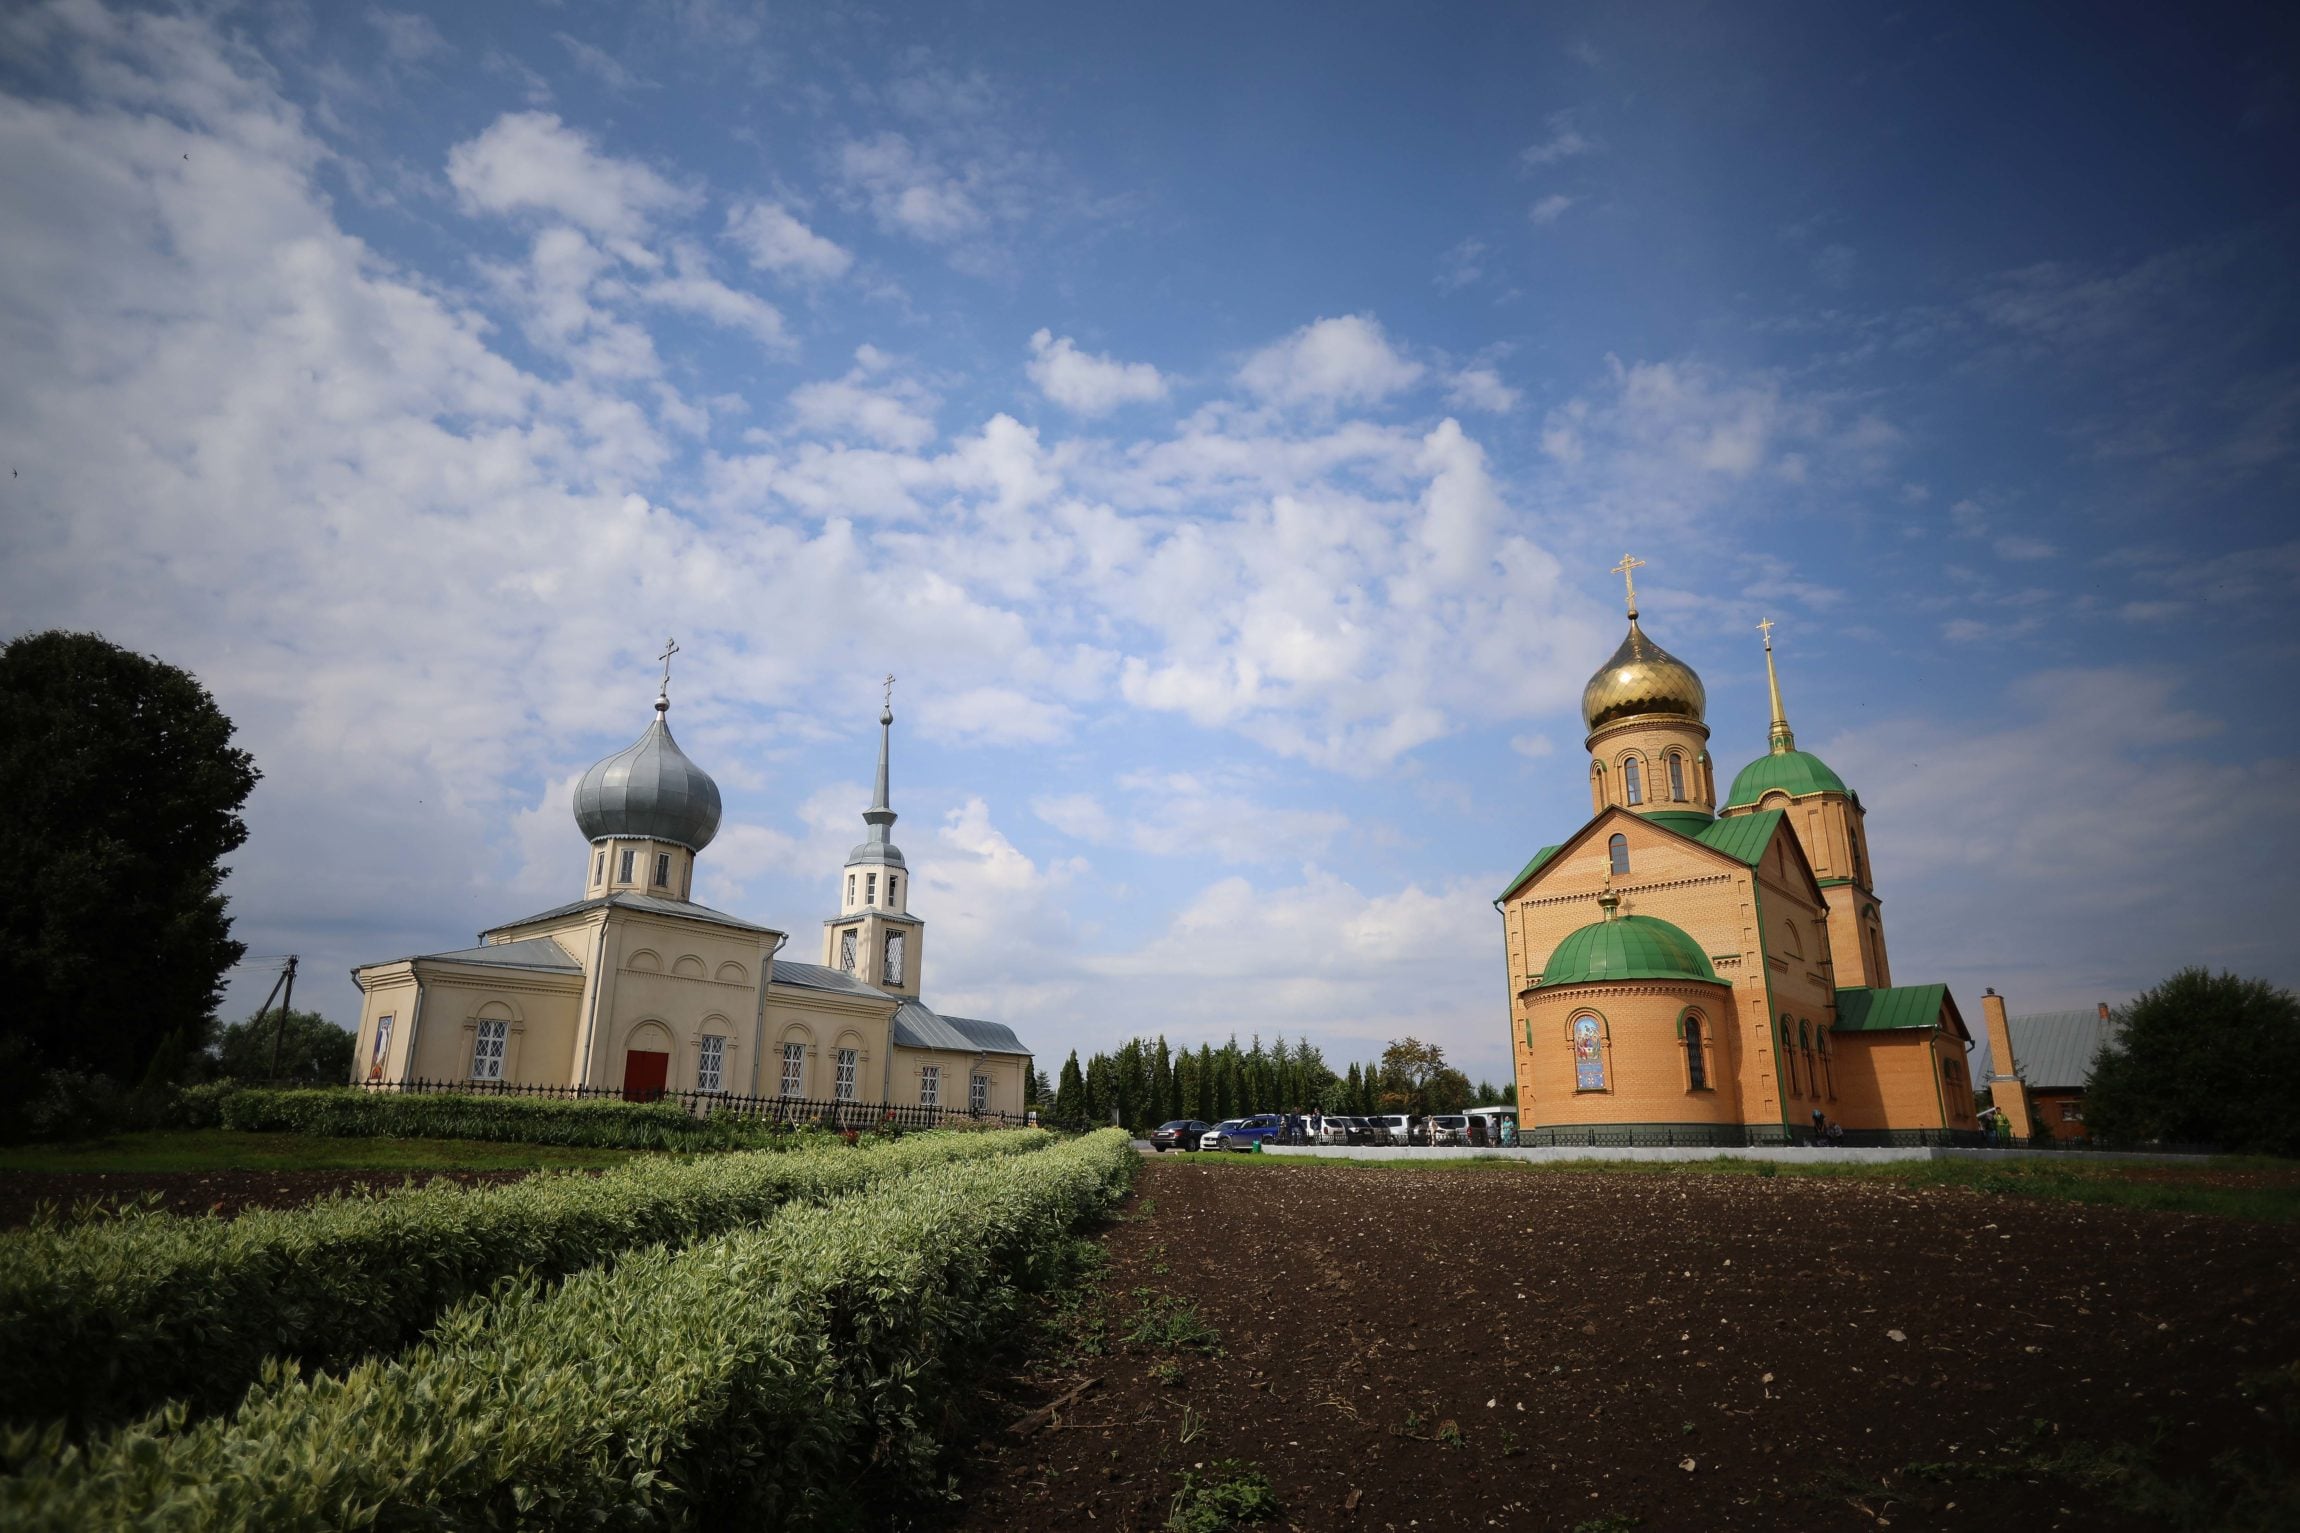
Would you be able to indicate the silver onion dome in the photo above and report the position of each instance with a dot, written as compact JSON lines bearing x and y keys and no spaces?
{"x":650,"y":789}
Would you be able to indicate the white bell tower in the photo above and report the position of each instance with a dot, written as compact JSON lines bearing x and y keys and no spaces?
{"x":874,"y":936}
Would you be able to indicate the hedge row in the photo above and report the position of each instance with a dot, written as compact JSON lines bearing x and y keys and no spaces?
{"x":103,"y":1321}
{"x":756,"y":1379}
{"x":348,"y":1113}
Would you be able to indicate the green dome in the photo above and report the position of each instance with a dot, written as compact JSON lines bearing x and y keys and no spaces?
{"x":1795,"y":773}
{"x":1627,"y":947}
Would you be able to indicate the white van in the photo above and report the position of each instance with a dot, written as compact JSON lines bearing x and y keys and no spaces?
{"x":1493,"y":1118}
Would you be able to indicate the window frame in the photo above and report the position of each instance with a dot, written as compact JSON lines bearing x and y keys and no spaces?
{"x":849,"y":944}
{"x":930,"y":1085}
{"x":495,"y":1030}
{"x":662,"y":870}
{"x":1632,"y":782}
{"x":891,"y":961}
{"x":711,"y":1063}
{"x":1696,"y":1059}
{"x":1676,"y":761}
{"x":978,"y":1093}
{"x":847,"y":1074}
{"x":792,"y":1080}
{"x":1617,"y":854}
{"x":628,"y":862}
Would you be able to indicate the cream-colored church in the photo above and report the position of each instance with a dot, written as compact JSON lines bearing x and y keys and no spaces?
{"x":1688,"y":971}
{"x":637,"y":988}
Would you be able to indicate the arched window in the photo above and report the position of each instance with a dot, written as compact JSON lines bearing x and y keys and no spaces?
{"x":1632,"y":782}
{"x":1618,"y":849}
{"x":1676,"y":777}
{"x":1789,"y":1057}
{"x":1812,"y":1076}
{"x":1696,"y":1068}
{"x":1828,"y":1068}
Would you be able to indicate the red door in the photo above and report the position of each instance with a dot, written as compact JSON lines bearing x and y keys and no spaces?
{"x":643,"y":1074}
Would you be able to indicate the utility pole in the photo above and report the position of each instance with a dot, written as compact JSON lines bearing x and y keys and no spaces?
{"x":287,"y":978}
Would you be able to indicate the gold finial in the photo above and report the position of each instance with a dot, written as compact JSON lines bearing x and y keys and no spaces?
{"x":1780,"y":739}
{"x":1609,"y":902}
{"x":663,"y":696}
{"x":1627,"y":569}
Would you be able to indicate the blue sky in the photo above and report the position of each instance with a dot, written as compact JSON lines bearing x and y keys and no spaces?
{"x":1222,"y":419}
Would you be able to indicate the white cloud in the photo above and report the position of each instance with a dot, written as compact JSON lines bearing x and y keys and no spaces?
{"x":775,"y":240}
{"x":1481,"y":388}
{"x":1461,"y":266}
{"x":1550,"y":208}
{"x":531,"y":162}
{"x":992,"y":716}
{"x":871,"y":403}
{"x":691,"y":288}
{"x":408,"y":38}
{"x":1329,"y":362}
{"x":1085,"y":384}
{"x":1565,"y":142}
{"x":907,"y":191}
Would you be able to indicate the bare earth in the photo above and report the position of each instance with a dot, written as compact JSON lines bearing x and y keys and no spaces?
{"x":1548,"y":1349}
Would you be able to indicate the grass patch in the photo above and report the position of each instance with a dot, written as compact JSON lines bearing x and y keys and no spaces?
{"x":1228,"y":1493}
{"x":1170,"y":1325}
{"x":218,"y":1149}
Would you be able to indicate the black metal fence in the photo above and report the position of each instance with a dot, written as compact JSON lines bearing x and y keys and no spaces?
{"x":704,"y":1104}
{"x":1770,"y":1136}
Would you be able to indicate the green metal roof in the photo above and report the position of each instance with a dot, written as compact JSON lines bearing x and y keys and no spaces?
{"x":1742,"y":837}
{"x":1861,"y":1009}
{"x":1686,"y":822}
{"x":1795,"y":773}
{"x":1627,"y":947}
{"x":1527,"y":871}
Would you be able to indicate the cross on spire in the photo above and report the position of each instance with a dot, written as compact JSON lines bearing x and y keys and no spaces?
{"x":663,"y":695}
{"x":889,"y":685}
{"x":1766,"y":628}
{"x":1627,"y":569}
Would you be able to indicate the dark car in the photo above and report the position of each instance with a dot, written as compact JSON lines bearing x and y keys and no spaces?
{"x":1181,"y":1134}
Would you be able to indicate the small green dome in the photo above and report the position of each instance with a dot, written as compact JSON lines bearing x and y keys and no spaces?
{"x":1627,"y":947}
{"x":1795,"y":773}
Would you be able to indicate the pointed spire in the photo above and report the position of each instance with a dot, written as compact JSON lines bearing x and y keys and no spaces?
{"x":1782,"y":741}
{"x":885,"y":733}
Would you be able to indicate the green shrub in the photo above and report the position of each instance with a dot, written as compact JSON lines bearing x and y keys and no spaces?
{"x":104,"y":1321}
{"x":351,"y":1113}
{"x":764,"y":1378}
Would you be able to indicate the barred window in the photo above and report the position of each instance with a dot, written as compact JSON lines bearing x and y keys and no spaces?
{"x":847,"y":951}
{"x":487,"y":1052}
{"x":794,"y":1068}
{"x":846,"y":1075}
{"x":930,"y":1086}
{"x":711,"y":1067}
{"x":978,"y":1094}
{"x":893,"y":970}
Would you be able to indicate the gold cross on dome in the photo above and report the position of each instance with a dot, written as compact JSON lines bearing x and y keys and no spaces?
{"x":1766,"y":628}
{"x":889,"y":686}
{"x":1627,"y":569}
{"x":670,"y":648}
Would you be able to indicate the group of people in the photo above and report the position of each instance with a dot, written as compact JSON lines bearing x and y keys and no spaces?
{"x":1827,"y":1132}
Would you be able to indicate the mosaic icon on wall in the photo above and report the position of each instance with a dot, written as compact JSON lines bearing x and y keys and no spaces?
{"x":1588,"y":1061}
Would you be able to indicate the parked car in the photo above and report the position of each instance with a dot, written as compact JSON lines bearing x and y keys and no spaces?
{"x":1337,"y":1128}
{"x":1448,"y":1128}
{"x":1181,"y":1134}
{"x":1212,"y":1139}
{"x":1391,"y":1127}
{"x":1261,"y":1128}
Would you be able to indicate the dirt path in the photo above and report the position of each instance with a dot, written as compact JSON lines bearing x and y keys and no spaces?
{"x":1449,"y":1349}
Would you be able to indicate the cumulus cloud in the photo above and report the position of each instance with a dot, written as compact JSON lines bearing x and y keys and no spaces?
{"x":775,"y":240}
{"x":907,"y":191}
{"x":1086,"y":384}
{"x":1550,"y":208}
{"x":1564,"y":142}
{"x":1481,"y":388}
{"x":531,"y":162}
{"x":1348,"y":360}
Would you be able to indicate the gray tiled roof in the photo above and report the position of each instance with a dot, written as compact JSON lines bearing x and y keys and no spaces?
{"x":919,"y":1026}
{"x":2054,"y":1049}
{"x":527,"y":953}
{"x":814,"y":976}
{"x":651,"y":904}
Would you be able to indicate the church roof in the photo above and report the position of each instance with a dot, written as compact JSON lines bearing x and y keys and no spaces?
{"x":1626,"y":947}
{"x":649,"y":903}
{"x":526,"y":953}
{"x":815,"y":976}
{"x":1793,"y":772}
{"x":1884,"y":1009}
{"x":649,"y":788}
{"x":1640,"y":679}
{"x":919,"y":1026}
{"x":1742,"y":837}
{"x":1528,"y":870}
{"x":2054,"y":1050}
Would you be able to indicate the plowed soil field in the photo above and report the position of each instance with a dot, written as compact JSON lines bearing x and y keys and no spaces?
{"x":1397,"y":1349}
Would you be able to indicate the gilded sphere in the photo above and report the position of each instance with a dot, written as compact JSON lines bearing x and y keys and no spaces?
{"x":1642,"y":678}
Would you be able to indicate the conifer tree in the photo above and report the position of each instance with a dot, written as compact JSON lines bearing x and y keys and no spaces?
{"x":1070,"y":1096}
{"x":1209,"y":1089}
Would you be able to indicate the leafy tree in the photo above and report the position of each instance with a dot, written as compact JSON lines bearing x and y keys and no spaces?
{"x":312,"y":1050}
{"x":123,"y":791}
{"x":2203,"y":1058}
{"x":1408,"y":1066}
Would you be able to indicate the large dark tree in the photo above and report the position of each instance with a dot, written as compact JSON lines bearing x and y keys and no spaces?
{"x":2203,"y":1059}
{"x":312,"y":1051}
{"x":122,"y":792}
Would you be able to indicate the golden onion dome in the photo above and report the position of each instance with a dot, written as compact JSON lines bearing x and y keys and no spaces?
{"x":1642,"y":678}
